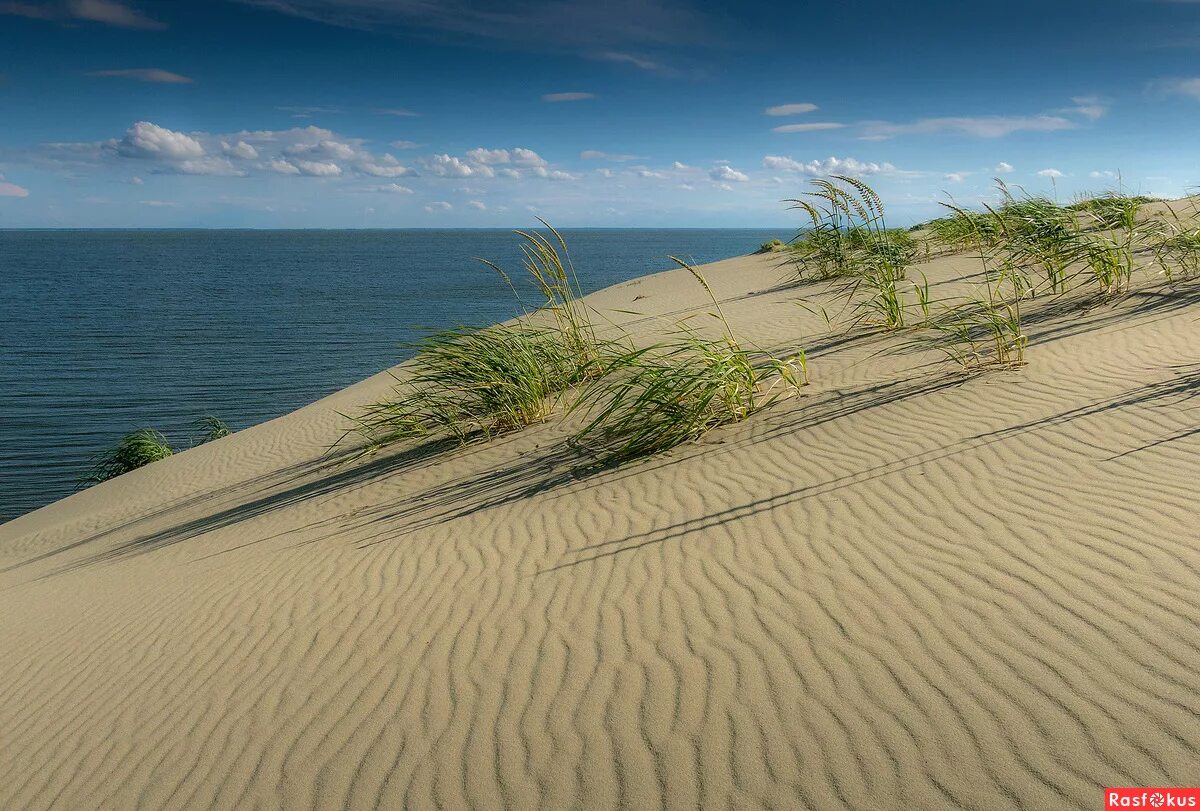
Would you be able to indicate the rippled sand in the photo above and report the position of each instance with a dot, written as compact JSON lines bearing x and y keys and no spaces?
{"x":905,"y":589}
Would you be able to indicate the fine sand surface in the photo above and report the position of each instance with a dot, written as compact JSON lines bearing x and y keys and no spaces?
{"x":904,"y":589}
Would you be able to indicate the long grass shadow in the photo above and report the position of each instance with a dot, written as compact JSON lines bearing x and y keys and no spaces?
{"x":323,"y":479}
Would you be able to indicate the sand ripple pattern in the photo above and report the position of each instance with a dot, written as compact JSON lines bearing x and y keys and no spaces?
{"x":903,"y":590}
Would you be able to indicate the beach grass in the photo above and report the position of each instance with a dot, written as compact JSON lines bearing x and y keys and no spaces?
{"x":131,"y":452}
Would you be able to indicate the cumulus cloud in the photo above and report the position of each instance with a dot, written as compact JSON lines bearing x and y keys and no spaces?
{"x":477,"y":205}
{"x":791,"y":109}
{"x":444,"y":165}
{"x":829,"y":166}
{"x":488,"y":156}
{"x":146,"y":140}
{"x":549,"y":174}
{"x":281,"y":167}
{"x":956,"y":177}
{"x":812,"y":126}
{"x":1003,"y":168}
{"x":152,"y":75}
{"x":728,"y":173}
{"x":573,"y":96}
{"x":439,"y":205}
{"x":651,"y":174}
{"x":988,"y":126}
{"x":318,"y":168}
{"x":241,"y":149}
{"x":1049,"y":173}
{"x":1103,"y":174}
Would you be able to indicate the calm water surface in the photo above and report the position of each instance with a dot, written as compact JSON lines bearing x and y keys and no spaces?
{"x":103,"y":332}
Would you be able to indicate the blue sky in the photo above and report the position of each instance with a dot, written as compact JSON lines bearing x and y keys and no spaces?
{"x":398,"y":113}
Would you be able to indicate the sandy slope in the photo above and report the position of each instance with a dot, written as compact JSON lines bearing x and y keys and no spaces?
{"x":904,"y":589}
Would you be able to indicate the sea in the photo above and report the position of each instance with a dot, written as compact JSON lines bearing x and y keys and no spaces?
{"x":103,"y":332}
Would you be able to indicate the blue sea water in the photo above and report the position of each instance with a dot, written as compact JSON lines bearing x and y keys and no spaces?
{"x":104,"y":332}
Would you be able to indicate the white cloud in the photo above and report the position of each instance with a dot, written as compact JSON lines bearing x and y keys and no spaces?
{"x":389,"y":188}
{"x":405,"y":144}
{"x":209,"y":166}
{"x":728,"y":173}
{"x":281,"y":167}
{"x":398,"y":112}
{"x":241,"y":150}
{"x":812,"y":126}
{"x":509,"y":173}
{"x":556,"y":174}
{"x":679,"y":166}
{"x":488,"y":156}
{"x":381,"y":170}
{"x":597,"y":155}
{"x":444,"y":165}
{"x":790,"y":109}
{"x":527,"y":157}
{"x":440,"y":205}
{"x":477,"y":205}
{"x":1003,"y":168}
{"x":12,"y":189}
{"x":153,"y":75}
{"x":319,"y":168}
{"x":1103,"y":175}
{"x":111,"y":13}
{"x":325,"y":149}
{"x":724,"y":187}
{"x":146,"y":140}
{"x":1092,"y":107}
{"x":956,"y":177}
{"x":829,"y":166}
{"x":988,"y":126}
{"x":557,"y":97}
{"x":1177,"y":87}
{"x":640,"y":62}
{"x":649,"y":173}
{"x":1049,"y":173}
{"x":161,"y":203}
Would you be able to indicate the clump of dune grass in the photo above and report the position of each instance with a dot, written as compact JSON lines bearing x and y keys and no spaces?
{"x":147,"y":445}
{"x":847,"y":233}
{"x":209,"y":429}
{"x":986,"y":330}
{"x":1175,"y":245}
{"x":133,"y":451}
{"x":657,"y":397}
{"x":771,"y":246}
{"x":469,"y":382}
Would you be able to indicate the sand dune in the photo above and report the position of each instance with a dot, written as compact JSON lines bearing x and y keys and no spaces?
{"x":904,"y":589}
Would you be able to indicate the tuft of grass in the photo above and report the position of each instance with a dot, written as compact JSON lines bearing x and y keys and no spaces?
{"x":771,"y":246}
{"x":469,"y":382}
{"x":478,"y":382}
{"x":133,"y":451}
{"x":209,"y":429}
{"x":661,"y":396}
{"x":847,"y":232}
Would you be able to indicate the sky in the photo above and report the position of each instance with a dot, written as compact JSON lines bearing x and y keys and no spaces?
{"x":662,"y":113}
